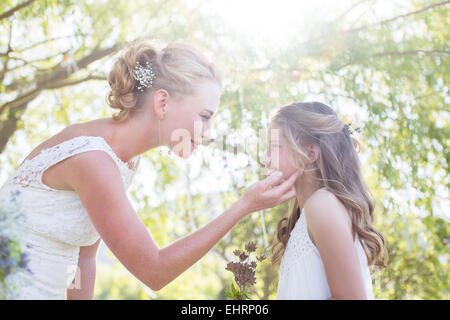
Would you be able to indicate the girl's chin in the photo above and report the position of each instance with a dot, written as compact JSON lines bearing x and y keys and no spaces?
{"x":270,"y":171}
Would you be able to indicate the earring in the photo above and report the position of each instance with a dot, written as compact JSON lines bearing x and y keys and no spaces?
{"x":159,"y":136}
{"x":159,"y":139}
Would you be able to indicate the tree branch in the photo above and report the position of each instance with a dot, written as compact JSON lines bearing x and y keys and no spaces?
{"x":346,"y":12}
{"x":77,"y":81}
{"x":379,"y":23}
{"x":18,"y":106}
{"x":60,"y":72}
{"x":34,"y":93}
{"x":11,"y":11}
{"x":26,"y":62}
{"x":6,"y":59}
{"x":400,"y":53}
{"x":20,"y":100}
{"x":34,"y":45}
{"x":9,"y":126}
{"x":411,"y":52}
{"x":345,"y":32}
{"x":49,"y":77}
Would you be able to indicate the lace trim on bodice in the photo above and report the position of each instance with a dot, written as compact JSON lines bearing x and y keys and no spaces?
{"x":300,"y":244}
{"x":29,"y":174}
{"x":302,"y":272}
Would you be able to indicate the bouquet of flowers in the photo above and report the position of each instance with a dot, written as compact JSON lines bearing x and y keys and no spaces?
{"x":244,"y":272}
{"x":12,"y":256}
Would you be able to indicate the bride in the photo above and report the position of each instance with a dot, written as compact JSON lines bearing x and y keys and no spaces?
{"x":73,"y":185}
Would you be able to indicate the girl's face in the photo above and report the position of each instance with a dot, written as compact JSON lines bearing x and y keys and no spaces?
{"x":188,"y":119}
{"x":277,"y":155}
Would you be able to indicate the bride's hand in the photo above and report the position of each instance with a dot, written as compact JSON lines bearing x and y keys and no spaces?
{"x":268,"y":193}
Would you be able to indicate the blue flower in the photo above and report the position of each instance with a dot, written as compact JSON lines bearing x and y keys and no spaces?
{"x":15,"y":193}
{"x":23,"y":263}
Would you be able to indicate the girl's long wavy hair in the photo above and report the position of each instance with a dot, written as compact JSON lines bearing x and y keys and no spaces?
{"x":337,"y":169}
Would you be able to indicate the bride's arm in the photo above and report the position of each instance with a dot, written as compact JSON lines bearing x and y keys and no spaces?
{"x":82,"y":287}
{"x":97,"y":181}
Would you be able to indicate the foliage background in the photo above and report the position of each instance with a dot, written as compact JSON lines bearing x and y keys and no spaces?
{"x":383,"y":64}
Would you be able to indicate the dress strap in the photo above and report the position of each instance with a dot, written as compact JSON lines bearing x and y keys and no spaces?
{"x":300,"y":244}
{"x":72,"y":147}
{"x":31,"y":171}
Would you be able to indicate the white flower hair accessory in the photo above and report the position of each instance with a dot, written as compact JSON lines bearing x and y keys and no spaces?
{"x":352,"y":129}
{"x":144,"y":75}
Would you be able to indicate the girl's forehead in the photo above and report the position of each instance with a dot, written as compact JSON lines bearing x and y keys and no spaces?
{"x":275,"y":132}
{"x":273,"y":126}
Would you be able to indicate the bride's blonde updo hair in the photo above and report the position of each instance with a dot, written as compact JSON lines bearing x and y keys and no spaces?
{"x":178,"y":69}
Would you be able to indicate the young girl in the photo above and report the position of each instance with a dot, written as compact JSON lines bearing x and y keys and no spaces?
{"x":328,"y":242}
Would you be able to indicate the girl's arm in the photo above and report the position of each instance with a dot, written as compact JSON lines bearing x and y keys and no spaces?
{"x":96,"y":179}
{"x":331,"y":230}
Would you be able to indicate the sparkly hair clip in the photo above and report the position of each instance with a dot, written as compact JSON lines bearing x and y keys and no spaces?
{"x":144,"y":75}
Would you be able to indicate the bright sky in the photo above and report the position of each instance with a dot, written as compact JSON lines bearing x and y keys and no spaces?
{"x":279,"y":21}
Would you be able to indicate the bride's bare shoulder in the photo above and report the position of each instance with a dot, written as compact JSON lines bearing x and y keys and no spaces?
{"x":57,"y":176}
{"x":97,"y":127}
{"x":91,"y":128}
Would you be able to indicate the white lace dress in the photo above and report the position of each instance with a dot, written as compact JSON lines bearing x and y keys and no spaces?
{"x":302,"y":273}
{"x":57,"y":222}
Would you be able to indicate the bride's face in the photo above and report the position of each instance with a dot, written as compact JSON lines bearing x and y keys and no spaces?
{"x":277,"y":155}
{"x":188,"y":121}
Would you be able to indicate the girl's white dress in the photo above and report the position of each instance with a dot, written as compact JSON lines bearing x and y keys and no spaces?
{"x":302,"y":274}
{"x":57,"y":223}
